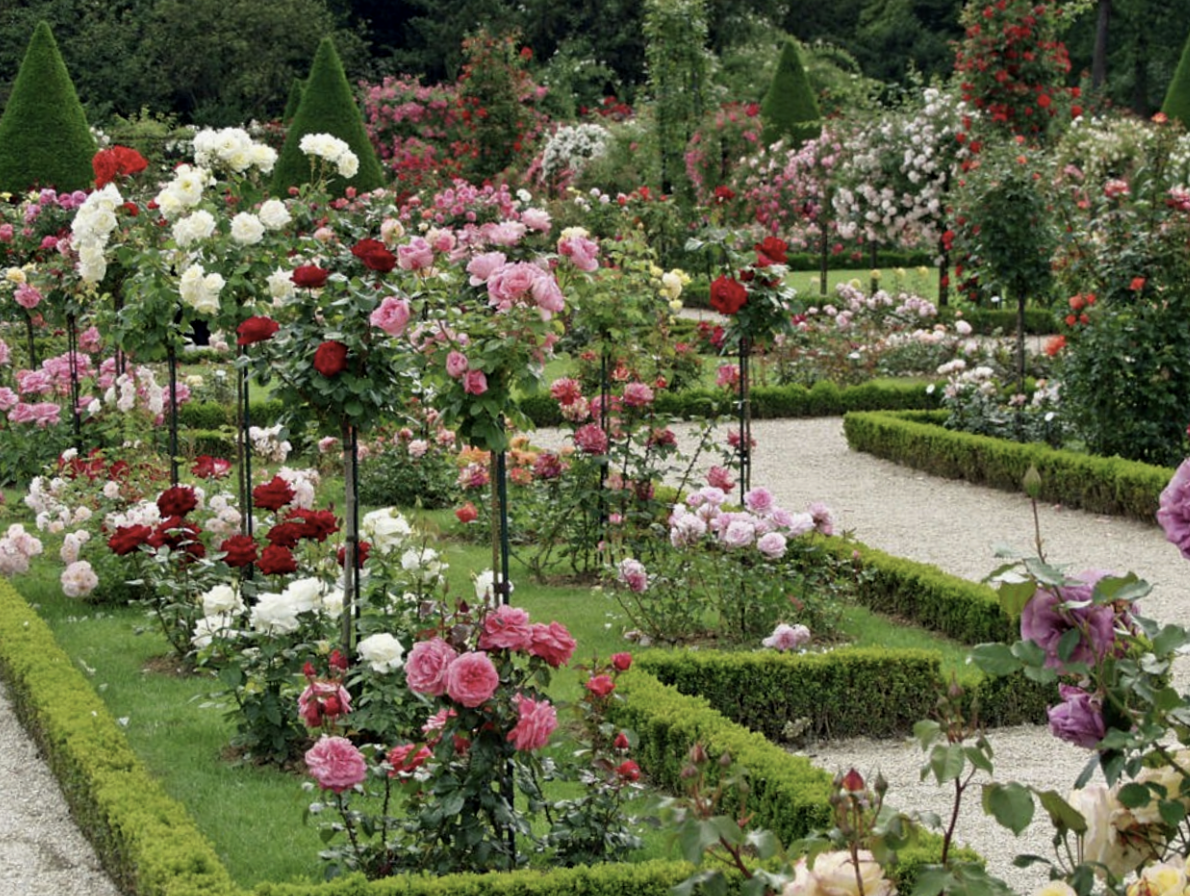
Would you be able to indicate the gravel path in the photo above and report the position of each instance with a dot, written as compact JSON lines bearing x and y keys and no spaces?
{"x":954,"y":526}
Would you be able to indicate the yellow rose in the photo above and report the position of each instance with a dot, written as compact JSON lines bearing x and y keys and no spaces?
{"x":1056,"y":888}
{"x":1165,"y":879}
{"x":15,"y":275}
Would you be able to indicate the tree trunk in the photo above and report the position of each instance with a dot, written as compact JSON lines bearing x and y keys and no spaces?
{"x":1099,"y":59}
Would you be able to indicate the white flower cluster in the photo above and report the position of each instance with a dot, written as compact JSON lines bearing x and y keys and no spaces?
{"x":382,"y":651}
{"x":16,"y":547}
{"x":90,"y":230}
{"x":278,"y":613}
{"x":48,"y":499}
{"x":200,"y":290}
{"x":184,"y":192}
{"x":572,"y":147}
{"x":233,"y":150}
{"x":386,"y":530}
{"x":267,"y":443}
{"x":333,"y":150}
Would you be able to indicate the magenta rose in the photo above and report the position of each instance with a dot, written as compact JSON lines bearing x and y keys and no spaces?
{"x":472,"y":679}
{"x":600,"y":685}
{"x":637,"y":395}
{"x":475,"y":382}
{"x":537,"y":721}
{"x":507,"y":628}
{"x":591,"y":439}
{"x":336,"y":764}
{"x":425,"y":669}
{"x":1045,"y":620}
{"x":391,"y":316}
{"x":552,"y":643}
{"x":1173,"y":512}
{"x":1078,"y":719}
{"x":456,"y":364}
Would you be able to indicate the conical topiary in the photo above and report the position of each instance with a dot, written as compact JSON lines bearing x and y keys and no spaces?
{"x":44,"y":137}
{"x":327,"y":107}
{"x":295,"y":99}
{"x":789,"y":109}
{"x":1177,"y":98}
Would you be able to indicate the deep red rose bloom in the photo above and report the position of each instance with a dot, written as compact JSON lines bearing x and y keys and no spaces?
{"x":724,"y":194}
{"x":207,"y":467}
{"x":375,"y":255}
{"x":287,"y":535}
{"x":178,"y":535}
{"x":330,"y":358}
{"x":273,"y":495}
{"x":108,"y":164}
{"x":601,"y":685}
{"x":277,"y":561}
{"x":310,"y":276}
{"x":727,"y":295}
{"x":128,"y":538}
{"x":240,"y":551}
{"x":338,"y":661}
{"x":622,"y":661}
{"x":771,"y":251}
{"x":177,"y":501}
{"x":256,"y":329}
{"x":315,"y":524}
{"x":628,"y":770}
{"x":363,"y":549}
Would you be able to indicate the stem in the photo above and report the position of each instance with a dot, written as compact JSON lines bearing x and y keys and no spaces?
{"x":351,"y":554}
{"x":348,"y":826}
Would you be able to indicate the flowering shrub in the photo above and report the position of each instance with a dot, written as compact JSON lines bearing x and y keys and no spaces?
{"x":979,"y":402}
{"x":726,"y":136}
{"x":568,"y":151}
{"x":413,"y":465}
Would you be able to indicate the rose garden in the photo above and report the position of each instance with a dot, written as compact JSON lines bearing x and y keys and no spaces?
{"x":391,"y":468}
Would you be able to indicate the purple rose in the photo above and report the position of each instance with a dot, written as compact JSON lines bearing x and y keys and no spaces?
{"x":1174,"y":509}
{"x":1045,"y":620}
{"x":1078,"y":719}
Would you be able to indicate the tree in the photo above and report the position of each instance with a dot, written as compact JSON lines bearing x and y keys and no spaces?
{"x":1177,"y":98}
{"x":327,"y":107}
{"x":44,"y":136}
{"x":789,"y":109}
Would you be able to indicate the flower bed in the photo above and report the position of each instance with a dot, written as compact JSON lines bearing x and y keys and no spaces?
{"x":1095,"y":484}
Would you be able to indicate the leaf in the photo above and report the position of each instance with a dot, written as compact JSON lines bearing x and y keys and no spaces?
{"x":1133,"y":795}
{"x":932,"y":880}
{"x":1014,"y":595}
{"x":946,"y":762}
{"x":926,"y":731}
{"x":1010,"y":804}
{"x":995,"y":659}
{"x":979,"y":758}
{"x":1063,"y":816}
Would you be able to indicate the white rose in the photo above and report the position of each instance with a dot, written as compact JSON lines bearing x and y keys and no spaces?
{"x":274,"y":215}
{"x":196,"y":226}
{"x":281,"y":286}
{"x":221,"y":599}
{"x":274,"y":614}
{"x":382,"y":651}
{"x":385,"y":529}
{"x":247,"y":229}
{"x":348,"y":164}
{"x":305,"y":594}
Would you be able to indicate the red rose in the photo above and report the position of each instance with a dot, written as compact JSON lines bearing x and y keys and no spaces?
{"x":287,"y":535}
{"x":467,"y":513}
{"x":128,"y":538}
{"x":771,"y":251}
{"x":315,"y":524}
{"x":240,"y":551}
{"x":622,"y":662}
{"x":375,"y":255}
{"x":628,"y":770}
{"x":178,"y":535}
{"x":727,"y":295}
{"x":407,"y":758}
{"x":207,"y":467}
{"x":256,"y":329}
{"x":108,"y":164}
{"x":177,"y":501}
{"x":601,"y":685}
{"x":310,"y":276}
{"x":361,"y":554}
{"x":277,"y":561}
{"x":330,"y":358}
{"x":724,"y":194}
{"x":273,"y":495}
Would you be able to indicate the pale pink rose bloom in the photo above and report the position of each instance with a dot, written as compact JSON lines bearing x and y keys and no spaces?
{"x":425,"y":670}
{"x":79,"y":579}
{"x":772,"y":545}
{"x":28,"y":297}
{"x":392,"y":316}
{"x":823,"y":521}
{"x":8,"y":399}
{"x":483,"y":266}
{"x":633,"y":574}
{"x":416,"y":255}
{"x":5,"y":355}
{"x":511,"y":283}
{"x":441,"y":239}
{"x":537,"y":720}
{"x":418,"y":448}
{"x":456,"y":364}
{"x":327,"y":444}
{"x":727,"y":376}
{"x":637,"y":395}
{"x":738,"y":534}
{"x":471,"y":679}
{"x":581,"y":251}
{"x":548,"y":295}
{"x":787,"y":637}
{"x":336,"y":764}
{"x":720,"y":478}
{"x":90,"y":341}
{"x":475,"y":382}
{"x":536,"y":219}
{"x":506,"y":233}
{"x":799,"y":524}
{"x":507,"y":628}
{"x":759,"y":500}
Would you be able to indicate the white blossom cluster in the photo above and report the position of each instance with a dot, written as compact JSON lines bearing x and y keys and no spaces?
{"x":90,"y":230}
{"x":231,"y":149}
{"x":333,"y":150}
{"x":184,"y":192}
{"x":571,"y":147}
{"x":897,"y":170}
{"x":278,"y":613}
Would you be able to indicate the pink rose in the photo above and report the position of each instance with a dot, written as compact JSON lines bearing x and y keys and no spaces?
{"x":475,"y":382}
{"x":591,"y":439}
{"x":536,"y":219}
{"x":548,"y":296}
{"x":552,"y":643}
{"x":506,"y":629}
{"x":416,"y":255}
{"x":392,"y":316}
{"x":772,"y":545}
{"x":600,"y":685}
{"x":28,"y":297}
{"x":336,"y":764}
{"x":425,"y":670}
{"x":720,"y":478}
{"x":482,"y":266}
{"x":633,"y":574}
{"x":456,"y":364}
{"x":537,"y":722}
{"x":581,"y":252}
{"x":622,"y":662}
{"x":471,"y":679}
{"x":511,"y":283}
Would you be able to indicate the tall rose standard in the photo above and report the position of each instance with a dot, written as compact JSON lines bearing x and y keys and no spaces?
{"x":757,"y":303}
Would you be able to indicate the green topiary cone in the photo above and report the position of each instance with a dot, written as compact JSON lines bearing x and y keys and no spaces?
{"x":327,"y":107}
{"x":295,"y":99}
{"x":789,"y":109}
{"x":44,"y":137}
{"x":1177,"y":98}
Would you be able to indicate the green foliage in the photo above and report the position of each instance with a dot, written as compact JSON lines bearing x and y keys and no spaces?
{"x":1177,"y":97}
{"x":44,"y":137}
{"x":1096,"y":484}
{"x":789,"y":109}
{"x":327,"y":107}
{"x":296,"y":88}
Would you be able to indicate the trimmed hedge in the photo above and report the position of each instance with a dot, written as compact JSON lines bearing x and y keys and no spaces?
{"x":212,"y":415}
{"x":1109,"y":485}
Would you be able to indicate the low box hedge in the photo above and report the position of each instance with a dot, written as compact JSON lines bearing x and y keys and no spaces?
{"x":1108,"y":485}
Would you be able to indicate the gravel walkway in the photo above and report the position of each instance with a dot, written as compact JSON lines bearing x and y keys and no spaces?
{"x":954,"y":526}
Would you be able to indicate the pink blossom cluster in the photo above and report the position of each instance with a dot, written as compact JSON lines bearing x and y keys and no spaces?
{"x":17,"y":547}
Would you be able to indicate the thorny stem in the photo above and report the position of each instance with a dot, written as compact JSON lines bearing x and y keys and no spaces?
{"x":348,"y":826}
{"x":1037,"y":540}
